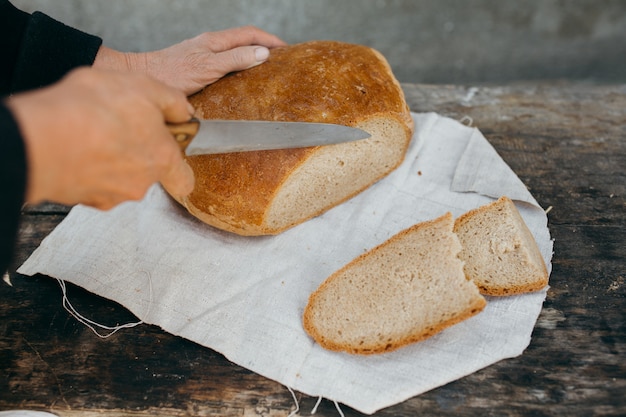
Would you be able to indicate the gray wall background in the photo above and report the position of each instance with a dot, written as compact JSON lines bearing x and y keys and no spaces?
{"x":436,"y":41}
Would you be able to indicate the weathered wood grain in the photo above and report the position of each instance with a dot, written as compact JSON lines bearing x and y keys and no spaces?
{"x":567,"y":142}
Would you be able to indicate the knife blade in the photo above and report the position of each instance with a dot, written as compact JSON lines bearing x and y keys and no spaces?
{"x":197,"y":137}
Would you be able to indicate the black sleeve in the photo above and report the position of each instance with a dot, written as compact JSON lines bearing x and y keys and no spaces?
{"x":35,"y":51}
{"x":12,"y":184}
{"x":13,"y":23}
{"x":41,"y":49}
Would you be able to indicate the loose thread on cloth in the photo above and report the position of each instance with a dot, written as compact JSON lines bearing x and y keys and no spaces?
{"x":92,"y":325}
{"x":314,"y":410}
{"x":466,"y":120}
{"x":295,"y":400}
{"x":317,"y":404}
{"x":338,"y":408}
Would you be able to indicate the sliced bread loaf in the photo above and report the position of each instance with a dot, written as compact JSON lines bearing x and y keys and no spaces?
{"x":402,"y":291}
{"x":500,"y":253}
{"x":266,"y":192}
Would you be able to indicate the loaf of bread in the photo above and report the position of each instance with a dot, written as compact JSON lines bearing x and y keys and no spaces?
{"x":500,"y":253}
{"x":402,"y":291}
{"x":267,"y":192}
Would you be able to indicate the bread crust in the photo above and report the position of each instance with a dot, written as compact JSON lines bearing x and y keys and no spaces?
{"x":318,"y":81}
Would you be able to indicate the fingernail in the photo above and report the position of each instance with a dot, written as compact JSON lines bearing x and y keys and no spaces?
{"x":261,"y":53}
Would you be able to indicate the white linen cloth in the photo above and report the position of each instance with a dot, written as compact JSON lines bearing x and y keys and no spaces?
{"x":244,"y":296}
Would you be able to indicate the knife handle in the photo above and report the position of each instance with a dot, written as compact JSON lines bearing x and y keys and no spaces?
{"x":184,"y":132}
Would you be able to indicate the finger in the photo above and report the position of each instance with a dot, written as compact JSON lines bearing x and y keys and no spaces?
{"x":179,"y":180}
{"x":236,"y":37}
{"x":174,"y":105}
{"x":170,"y":101}
{"x":241,"y":58}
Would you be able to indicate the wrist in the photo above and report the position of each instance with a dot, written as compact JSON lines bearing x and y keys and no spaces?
{"x":110,"y":59}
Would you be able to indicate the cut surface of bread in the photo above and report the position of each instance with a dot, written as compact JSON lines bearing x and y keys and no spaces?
{"x":402,"y":291}
{"x":500,"y":253}
{"x":267,"y":192}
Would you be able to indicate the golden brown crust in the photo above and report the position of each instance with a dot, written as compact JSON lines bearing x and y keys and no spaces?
{"x":237,"y":188}
{"x":319,"y":81}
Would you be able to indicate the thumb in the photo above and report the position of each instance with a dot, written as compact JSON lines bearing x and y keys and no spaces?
{"x":179,"y":180}
{"x":244,"y":57}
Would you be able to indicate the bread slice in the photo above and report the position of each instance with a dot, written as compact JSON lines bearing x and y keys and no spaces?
{"x":402,"y":291}
{"x":500,"y":253}
{"x":267,"y":192}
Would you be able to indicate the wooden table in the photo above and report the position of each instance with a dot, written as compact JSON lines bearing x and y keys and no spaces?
{"x":567,"y":142}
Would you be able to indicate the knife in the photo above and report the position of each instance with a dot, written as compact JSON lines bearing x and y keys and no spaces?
{"x":197,"y":137}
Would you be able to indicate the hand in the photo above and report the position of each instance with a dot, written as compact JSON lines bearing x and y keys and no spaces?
{"x":99,"y":138}
{"x":194,"y":63}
